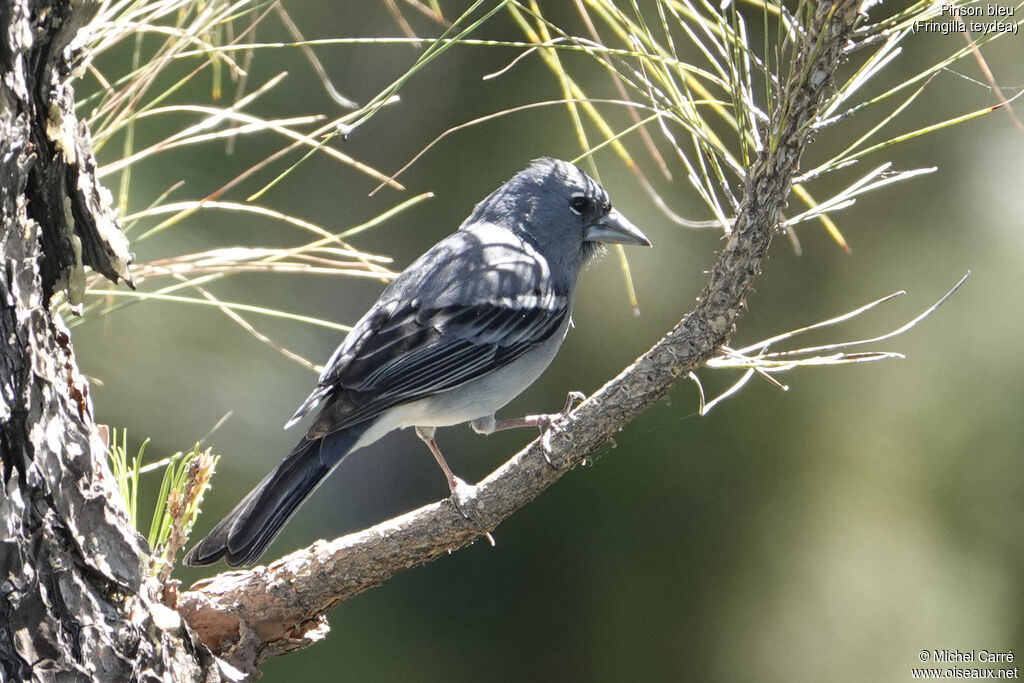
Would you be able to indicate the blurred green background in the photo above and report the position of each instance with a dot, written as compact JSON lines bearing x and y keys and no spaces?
{"x":830,"y":532}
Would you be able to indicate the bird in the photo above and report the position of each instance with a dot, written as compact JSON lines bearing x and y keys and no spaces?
{"x":455,"y":337}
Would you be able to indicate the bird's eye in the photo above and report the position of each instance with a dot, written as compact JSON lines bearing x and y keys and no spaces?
{"x":579,"y":203}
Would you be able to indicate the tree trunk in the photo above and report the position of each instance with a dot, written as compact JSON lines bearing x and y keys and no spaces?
{"x":76,"y":602}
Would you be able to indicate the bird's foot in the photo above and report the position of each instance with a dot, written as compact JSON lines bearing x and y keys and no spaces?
{"x":571,"y":401}
{"x":464,"y":499}
{"x":463,"y":496}
{"x":543,"y":422}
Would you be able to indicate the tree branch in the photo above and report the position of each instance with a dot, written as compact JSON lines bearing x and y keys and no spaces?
{"x":249,"y":616}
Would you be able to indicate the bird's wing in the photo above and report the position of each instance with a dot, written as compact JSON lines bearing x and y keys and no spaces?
{"x":420,"y":352}
{"x":437,"y":328}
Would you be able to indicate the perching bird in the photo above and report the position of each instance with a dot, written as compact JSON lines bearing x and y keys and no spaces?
{"x":460,"y":333}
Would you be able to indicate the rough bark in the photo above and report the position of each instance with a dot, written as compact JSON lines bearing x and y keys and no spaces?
{"x":76,"y":603}
{"x":246,"y":617}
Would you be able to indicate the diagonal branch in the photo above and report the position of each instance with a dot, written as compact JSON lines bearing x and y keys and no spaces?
{"x":249,"y":616}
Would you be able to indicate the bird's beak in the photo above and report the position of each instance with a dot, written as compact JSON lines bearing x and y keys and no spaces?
{"x":615,"y":229}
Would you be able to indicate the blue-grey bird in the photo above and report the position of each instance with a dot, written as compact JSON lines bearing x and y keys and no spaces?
{"x":460,"y":333}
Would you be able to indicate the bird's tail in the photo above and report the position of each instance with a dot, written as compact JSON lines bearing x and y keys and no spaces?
{"x":242,"y":536}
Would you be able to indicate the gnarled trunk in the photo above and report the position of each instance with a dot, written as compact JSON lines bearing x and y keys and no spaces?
{"x":75,"y":599}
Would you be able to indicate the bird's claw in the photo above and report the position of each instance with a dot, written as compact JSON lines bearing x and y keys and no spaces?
{"x":463,"y":496}
{"x":548,"y":421}
{"x":573,"y":399}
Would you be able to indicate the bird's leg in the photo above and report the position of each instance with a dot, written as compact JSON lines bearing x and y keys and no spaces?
{"x":543,"y":422}
{"x":427,"y":435}
{"x":461,"y":491}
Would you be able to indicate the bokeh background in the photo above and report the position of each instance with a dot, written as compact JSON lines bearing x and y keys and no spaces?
{"x":830,"y":532}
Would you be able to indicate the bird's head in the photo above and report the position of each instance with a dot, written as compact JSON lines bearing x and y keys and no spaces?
{"x":561,"y":209}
